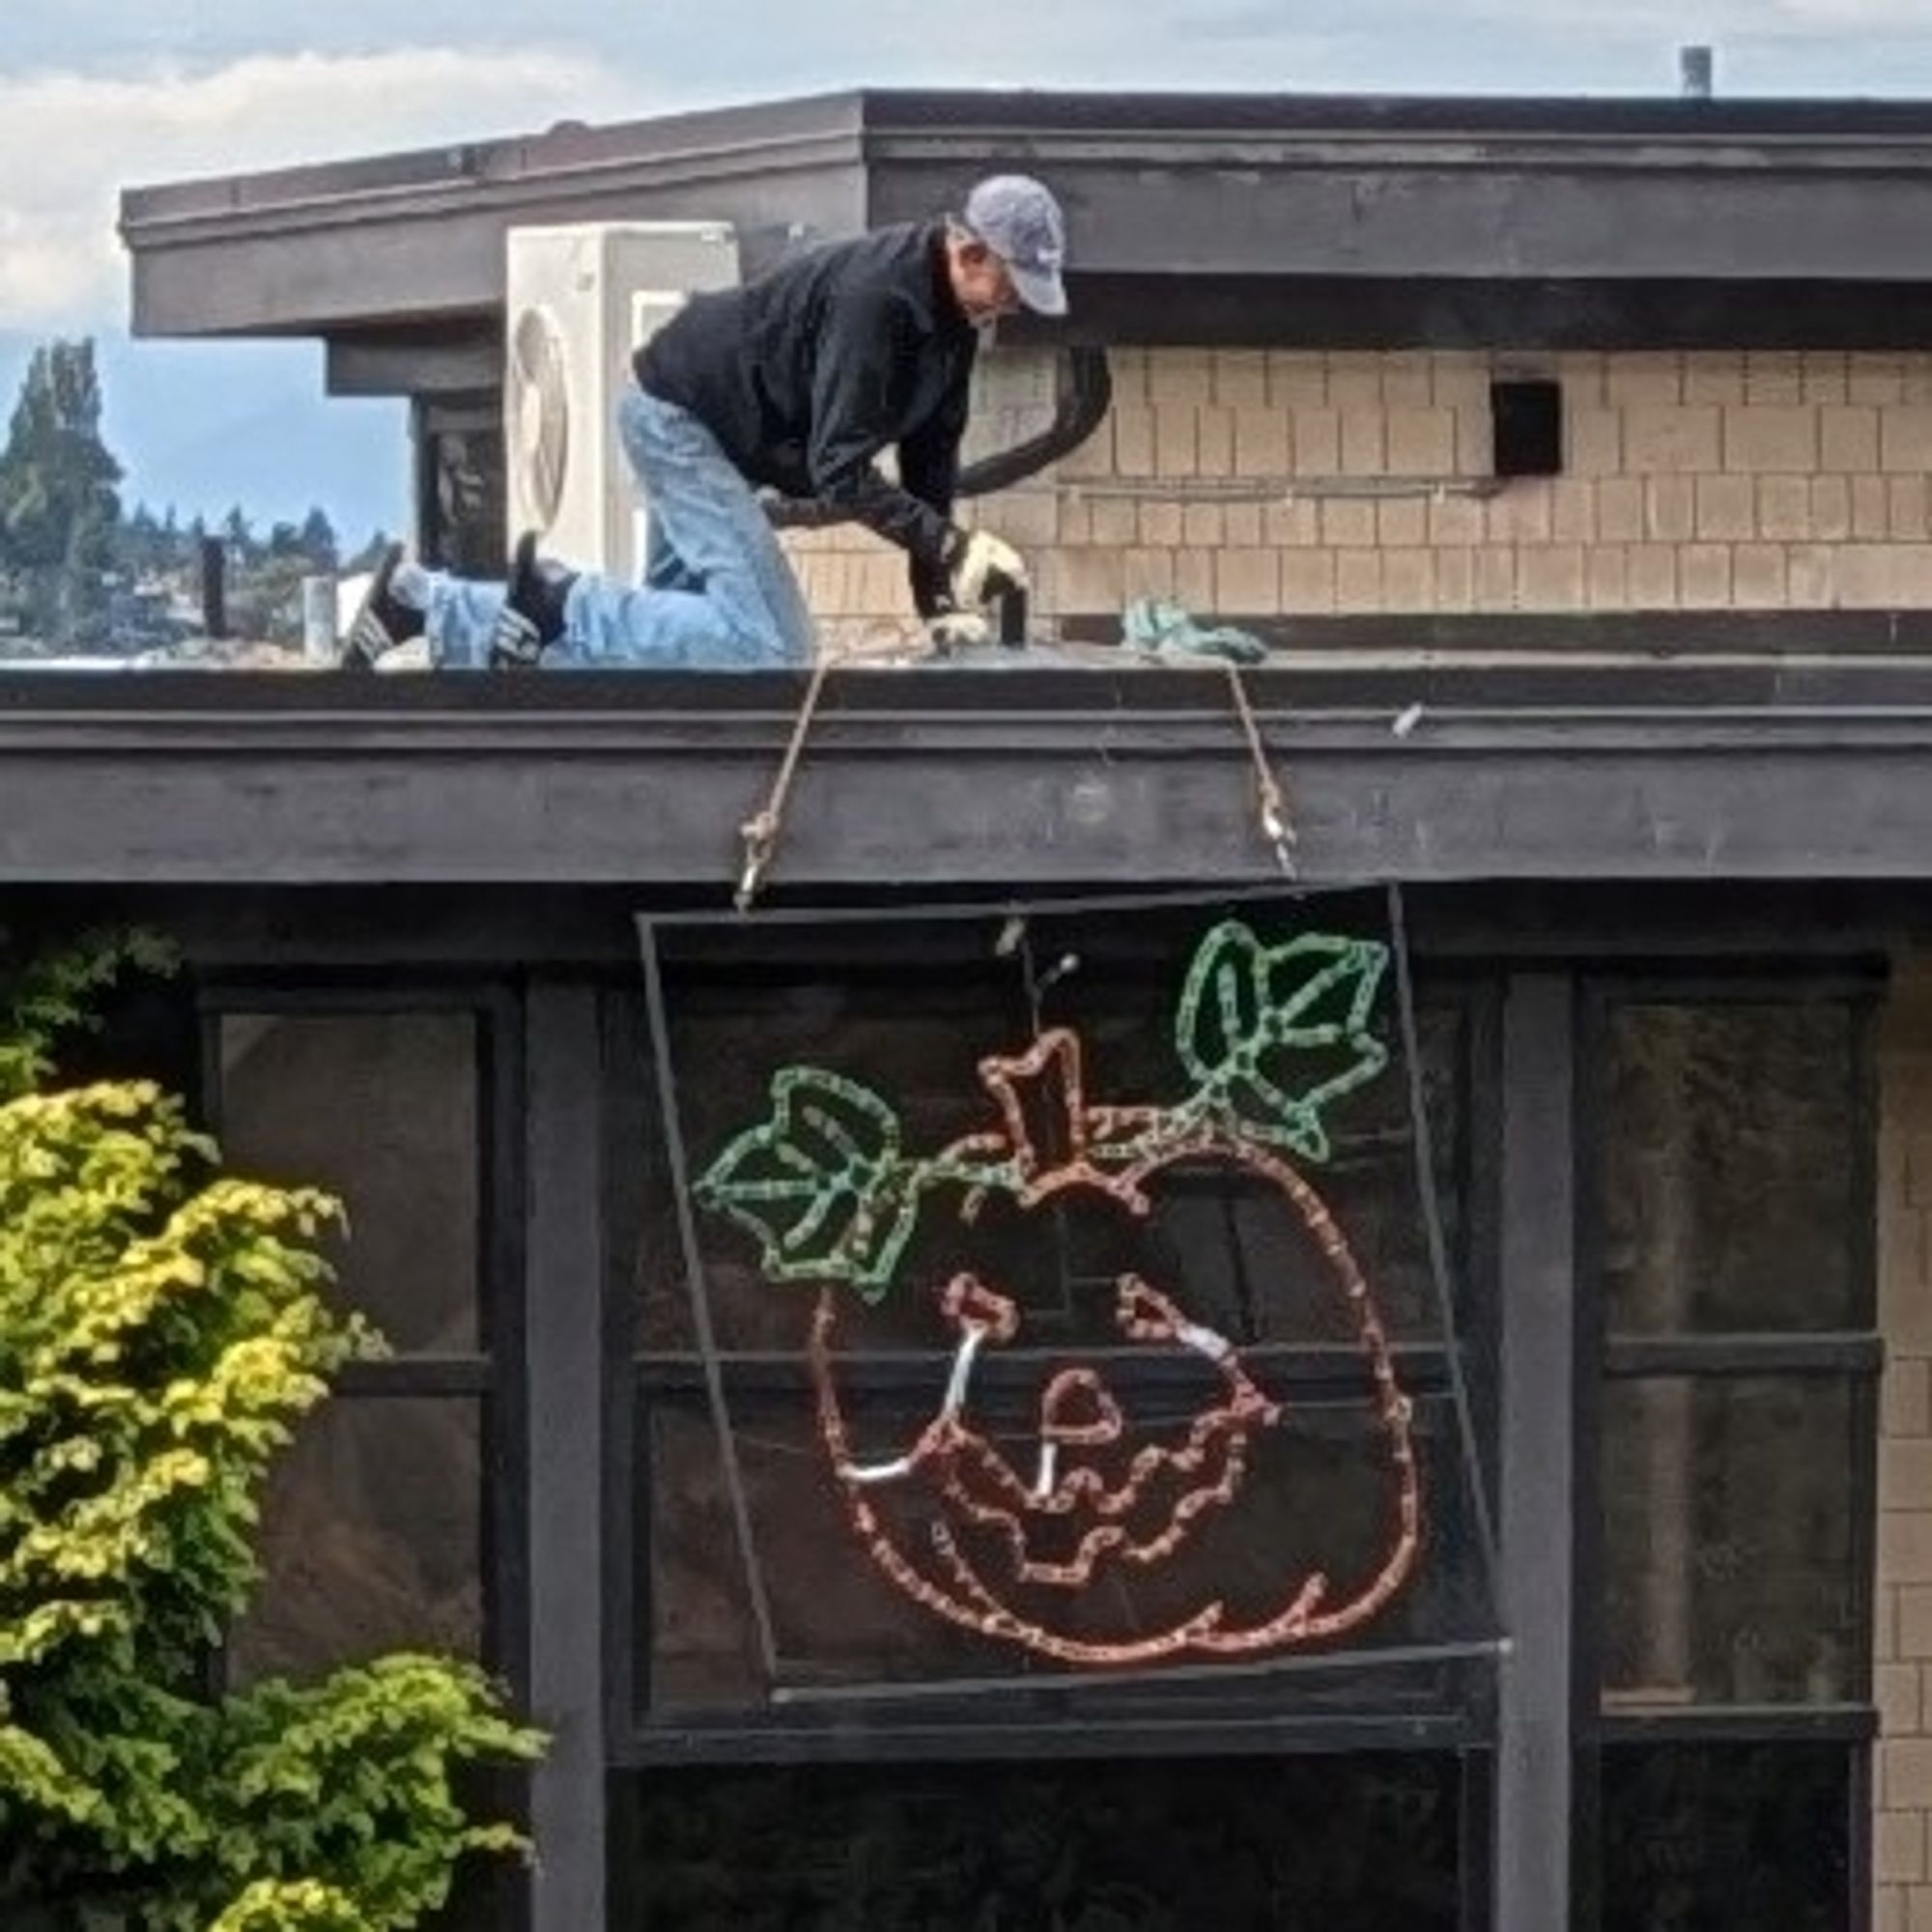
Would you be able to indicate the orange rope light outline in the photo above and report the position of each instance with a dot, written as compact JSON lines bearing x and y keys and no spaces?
{"x":825,"y":1187}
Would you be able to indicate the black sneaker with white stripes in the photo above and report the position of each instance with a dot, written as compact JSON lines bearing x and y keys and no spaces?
{"x":531,"y":618}
{"x":383,"y":620}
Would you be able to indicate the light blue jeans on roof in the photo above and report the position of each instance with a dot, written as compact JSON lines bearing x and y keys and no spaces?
{"x":717,"y":594}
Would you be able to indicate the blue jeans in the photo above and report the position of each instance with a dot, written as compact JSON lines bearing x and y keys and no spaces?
{"x":717,"y":594}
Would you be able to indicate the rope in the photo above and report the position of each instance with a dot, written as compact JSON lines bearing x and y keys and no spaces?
{"x":762,"y":830}
{"x":1423,"y":1146}
{"x":1272,"y":807}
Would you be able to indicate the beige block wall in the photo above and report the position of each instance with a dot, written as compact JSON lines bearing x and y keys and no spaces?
{"x":1902,"y":1836}
{"x":1694,"y":482}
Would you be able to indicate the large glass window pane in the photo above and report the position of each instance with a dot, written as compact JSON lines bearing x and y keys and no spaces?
{"x":371,"y":1539}
{"x":382,"y":1110}
{"x":1165,"y":1845}
{"x":1711,"y":1838}
{"x":1731,"y":1168}
{"x":1729,"y":1573}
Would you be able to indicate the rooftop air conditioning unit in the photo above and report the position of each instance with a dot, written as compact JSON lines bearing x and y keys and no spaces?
{"x":581,"y":300}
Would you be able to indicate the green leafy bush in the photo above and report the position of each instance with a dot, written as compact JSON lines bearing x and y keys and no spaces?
{"x":161,"y":1332}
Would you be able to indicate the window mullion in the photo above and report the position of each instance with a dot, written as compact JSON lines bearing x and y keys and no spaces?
{"x":1834,"y":1354}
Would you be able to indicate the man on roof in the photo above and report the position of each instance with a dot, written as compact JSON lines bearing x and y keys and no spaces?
{"x":796,"y":382}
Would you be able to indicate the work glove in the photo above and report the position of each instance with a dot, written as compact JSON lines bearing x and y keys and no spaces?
{"x":1162,"y":628}
{"x":979,"y":567}
{"x":957,"y":631}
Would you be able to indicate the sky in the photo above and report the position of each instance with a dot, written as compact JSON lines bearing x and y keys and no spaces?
{"x":98,"y":95}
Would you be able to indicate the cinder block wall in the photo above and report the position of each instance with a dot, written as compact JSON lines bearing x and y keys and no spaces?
{"x":1694,"y":482}
{"x":1902,"y":1838}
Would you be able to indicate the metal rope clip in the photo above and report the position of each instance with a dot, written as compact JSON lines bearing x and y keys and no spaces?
{"x":760,"y":836}
{"x":1277,"y":829}
{"x":760,"y":832}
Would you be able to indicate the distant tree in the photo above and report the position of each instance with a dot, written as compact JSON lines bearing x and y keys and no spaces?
{"x":238,"y":535}
{"x":370,"y":553}
{"x":59,"y":510}
{"x":317,"y":540}
{"x":142,"y":543}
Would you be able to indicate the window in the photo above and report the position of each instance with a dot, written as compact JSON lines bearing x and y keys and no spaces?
{"x":382,"y":1519}
{"x":461,"y":505}
{"x":1724,"y":1835}
{"x":1168,"y":1844}
{"x":1729,"y":1235}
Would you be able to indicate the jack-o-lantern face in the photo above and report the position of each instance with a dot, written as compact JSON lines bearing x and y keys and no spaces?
{"x":1057,"y":1513}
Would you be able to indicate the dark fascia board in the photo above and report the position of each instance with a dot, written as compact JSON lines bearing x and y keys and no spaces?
{"x":709,"y":141}
{"x":1160,"y":187}
{"x":938,"y":780}
{"x":1543,"y":198}
{"x":416,"y":238}
{"x":1008,"y":111}
{"x":1895,"y":132}
{"x":1516,"y":318}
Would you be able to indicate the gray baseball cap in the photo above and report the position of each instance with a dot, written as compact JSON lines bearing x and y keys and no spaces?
{"x":1019,"y":220}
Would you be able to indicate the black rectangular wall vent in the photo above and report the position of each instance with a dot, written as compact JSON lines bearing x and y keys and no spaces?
{"x":1526,"y":419}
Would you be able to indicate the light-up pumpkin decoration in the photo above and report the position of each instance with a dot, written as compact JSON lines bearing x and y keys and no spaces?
{"x":1019,"y":1547}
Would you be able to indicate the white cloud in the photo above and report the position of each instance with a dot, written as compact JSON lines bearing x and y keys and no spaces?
{"x":69,"y":143}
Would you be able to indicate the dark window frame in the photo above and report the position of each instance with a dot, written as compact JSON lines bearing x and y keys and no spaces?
{"x":494,"y":1373}
{"x":1851,"y":1357}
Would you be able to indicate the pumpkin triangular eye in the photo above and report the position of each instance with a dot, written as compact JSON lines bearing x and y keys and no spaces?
{"x":1078,"y":1410}
{"x":970,"y":1302}
{"x":1145,"y":1314}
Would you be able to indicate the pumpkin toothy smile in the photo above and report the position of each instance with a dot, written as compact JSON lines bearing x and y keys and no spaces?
{"x":1163,"y":1487}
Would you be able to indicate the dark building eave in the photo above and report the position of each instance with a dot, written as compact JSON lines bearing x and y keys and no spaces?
{"x":1164,"y":190}
{"x":935,"y":780}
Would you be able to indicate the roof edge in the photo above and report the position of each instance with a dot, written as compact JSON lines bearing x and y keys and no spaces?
{"x":565,"y":149}
{"x":868,"y":114}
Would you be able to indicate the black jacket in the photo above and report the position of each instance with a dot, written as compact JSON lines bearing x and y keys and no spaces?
{"x":810,"y":371}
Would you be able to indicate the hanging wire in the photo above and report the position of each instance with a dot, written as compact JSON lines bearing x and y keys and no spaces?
{"x":1439,"y":1247}
{"x":700,"y":1312}
{"x":933,"y":912}
{"x":1391,"y":1657}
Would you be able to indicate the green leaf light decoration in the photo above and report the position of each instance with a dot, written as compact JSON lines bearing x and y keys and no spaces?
{"x":1248,"y":1010}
